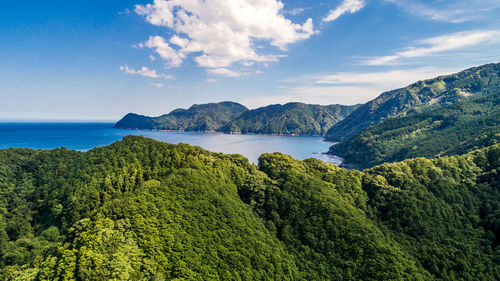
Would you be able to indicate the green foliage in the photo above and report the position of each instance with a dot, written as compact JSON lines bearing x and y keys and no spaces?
{"x":145,"y":210}
{"x":204,"y":117}
{"x":442,"y":211}
{"x":447,"y":130}
{"x":319,"y":212}
{"x":289,"y":119}
{"x":418,"y":97}
{"x":136,"y":210}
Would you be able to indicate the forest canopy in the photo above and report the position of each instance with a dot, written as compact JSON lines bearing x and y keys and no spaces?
{"x":419,"y":96}
{"x":140,"y":209}
{"x":447,"y":130}
{"x":293,"y":118}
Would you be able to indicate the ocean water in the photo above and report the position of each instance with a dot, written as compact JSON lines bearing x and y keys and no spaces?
{"x":85,"y":136}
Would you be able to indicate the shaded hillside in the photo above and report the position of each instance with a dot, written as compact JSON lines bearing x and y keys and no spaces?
{"x":401,"y":102}
{"x":204,"y":117}
{"x":447,"y":130}
{"x":144,"y":210}
{"x":289,"y":119}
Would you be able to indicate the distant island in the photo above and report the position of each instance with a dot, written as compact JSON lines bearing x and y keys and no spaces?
{"x":289,"y":119}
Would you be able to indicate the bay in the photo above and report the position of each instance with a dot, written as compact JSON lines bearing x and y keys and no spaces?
{"x":85,"y":136}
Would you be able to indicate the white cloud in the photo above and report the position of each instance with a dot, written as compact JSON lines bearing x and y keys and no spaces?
{"x":449,"y":10}
{"x":221,"y":32}
{"x":157,"y":85}
{"x":347,"y":87}
{"x":296,"y":11}
{"x":316,"y":95}
{"x":222,"y":71}
{"x":247,"y":63}
{"x":439,"y":44}
{"x":210,"y":80}
{"x":152,"y":58}
{"x":390,"y":79}
{"x":347,"y":7}
{"x":144,"y":71}
{"x":164,"y":50}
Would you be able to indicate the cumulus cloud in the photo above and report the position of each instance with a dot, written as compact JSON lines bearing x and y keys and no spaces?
{"x":347,"y":7}
{"x":144,"y":71}
{"x":430,"y":46}
{"x":163,"y":49}
{"x":221,"y":32}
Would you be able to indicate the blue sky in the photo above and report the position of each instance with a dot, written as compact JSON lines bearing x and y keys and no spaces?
{"x":97,"y":60}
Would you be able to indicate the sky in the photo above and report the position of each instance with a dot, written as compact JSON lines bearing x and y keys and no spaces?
{"x":98,"y":60}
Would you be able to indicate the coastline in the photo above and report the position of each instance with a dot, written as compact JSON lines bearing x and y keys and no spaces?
{"x":336,"y":159}
{"x":223,"y":132}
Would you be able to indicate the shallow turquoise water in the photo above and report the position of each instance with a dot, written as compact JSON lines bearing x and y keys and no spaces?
{"x":85,"y":136}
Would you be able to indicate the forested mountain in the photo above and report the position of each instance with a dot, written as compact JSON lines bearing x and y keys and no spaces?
{"x":204,"y":117}
{"x":145,"y":210}
{"x":421,"y":95}
{"x":291,"y":118}
{"x":446,"y":130}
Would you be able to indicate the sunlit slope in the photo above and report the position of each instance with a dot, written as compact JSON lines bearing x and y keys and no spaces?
{"x":145,"y":210}
{"x":419,"y":96}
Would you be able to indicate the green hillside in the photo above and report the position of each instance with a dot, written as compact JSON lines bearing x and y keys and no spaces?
{"x":291,"y":118}
{"x":204,"y":117}
{"x":447,"y":130}
{"x":145,"y":210}
{"x":421,"y":95}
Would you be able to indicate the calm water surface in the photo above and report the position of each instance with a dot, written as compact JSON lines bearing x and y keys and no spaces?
{"x":85,"y":136}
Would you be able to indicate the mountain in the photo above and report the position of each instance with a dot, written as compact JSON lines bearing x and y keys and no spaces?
{"x":446,"y":130}
{"x":144,"y":210}
{"x":416,"y":97}
{"x":204,"y":117}
{"x":289,"y":119}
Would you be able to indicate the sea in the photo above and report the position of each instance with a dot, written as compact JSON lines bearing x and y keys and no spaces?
{"x":85,"y":136}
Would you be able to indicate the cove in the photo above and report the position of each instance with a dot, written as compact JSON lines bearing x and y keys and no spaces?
{"x":85,"y":136}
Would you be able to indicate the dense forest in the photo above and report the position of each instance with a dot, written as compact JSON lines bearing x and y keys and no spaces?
{"x":288,"y":119}
{"x":140,"y":209}
{"x":447,"y":130}
{"x":199,"y":117}
{"x":423,"y":95}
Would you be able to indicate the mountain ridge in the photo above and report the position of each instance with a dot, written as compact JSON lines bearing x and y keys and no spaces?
{"x":419,"y":96}
{"x":294,"y":118}
{"x":199,"y":117}
{"x":446,"y":130}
